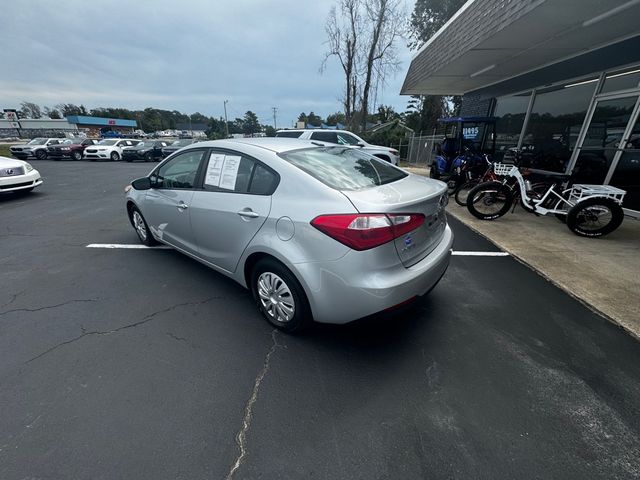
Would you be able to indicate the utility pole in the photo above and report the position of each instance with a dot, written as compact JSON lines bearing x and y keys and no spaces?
{"x":275,"y":125}
{"x":226,"y":122}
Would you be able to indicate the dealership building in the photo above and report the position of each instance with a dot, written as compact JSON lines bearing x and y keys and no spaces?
{"x":47,"y":127}
{"x":560,"y":77}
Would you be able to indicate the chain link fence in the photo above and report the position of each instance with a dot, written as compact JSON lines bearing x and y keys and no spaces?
{"x":421,"y":149}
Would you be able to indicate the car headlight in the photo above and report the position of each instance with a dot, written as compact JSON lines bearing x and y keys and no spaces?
{"x":28,"y":167}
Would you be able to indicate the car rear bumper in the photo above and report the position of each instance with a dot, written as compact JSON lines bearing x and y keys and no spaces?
{"x":20,"y":182}
{"x":340,"y":291}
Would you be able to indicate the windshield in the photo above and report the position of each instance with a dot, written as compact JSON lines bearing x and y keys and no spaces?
{"x":37,"y":141}
{"x":344,"y":168}
{"x":71,"y":141}
{"x":107,"y":142}
{"x":344,"y":139}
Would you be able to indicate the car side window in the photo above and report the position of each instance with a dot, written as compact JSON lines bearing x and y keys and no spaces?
{"x":330,"y":137}
{"x":346,"y":139}
{"x":178,"y":173}
{"x":233,"y":172}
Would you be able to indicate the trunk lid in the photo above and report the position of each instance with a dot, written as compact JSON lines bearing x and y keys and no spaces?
{"x":411,"y":194}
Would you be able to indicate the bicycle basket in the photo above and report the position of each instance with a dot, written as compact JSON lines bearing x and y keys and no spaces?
{"x":503,"y":169}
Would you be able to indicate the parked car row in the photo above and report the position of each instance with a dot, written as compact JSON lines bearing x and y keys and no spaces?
{"x":113,"y":149}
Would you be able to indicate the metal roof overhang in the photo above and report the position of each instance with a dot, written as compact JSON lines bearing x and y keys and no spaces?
{"x":540,"y":34}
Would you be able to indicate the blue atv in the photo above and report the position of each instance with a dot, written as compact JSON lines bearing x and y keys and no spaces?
{"x":466,"y":142}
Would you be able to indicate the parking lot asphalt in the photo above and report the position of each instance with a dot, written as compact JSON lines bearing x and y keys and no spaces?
{"x":144,"y":364}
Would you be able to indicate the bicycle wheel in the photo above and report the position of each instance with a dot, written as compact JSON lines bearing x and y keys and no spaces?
{"x":490,"y":200}
{"x":595,"y":217}
{"x":463,"y":192}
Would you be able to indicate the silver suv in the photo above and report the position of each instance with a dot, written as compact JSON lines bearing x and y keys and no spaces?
{"x":342,"y":137}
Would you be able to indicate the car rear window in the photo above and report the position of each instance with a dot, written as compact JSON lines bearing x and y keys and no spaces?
{"x":344,"y":168}
{"x":288,"y":134}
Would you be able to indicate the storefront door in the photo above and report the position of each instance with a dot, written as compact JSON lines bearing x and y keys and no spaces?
{"x":609,"y":152}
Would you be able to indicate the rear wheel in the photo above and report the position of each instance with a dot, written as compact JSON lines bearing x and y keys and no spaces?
{"x":595,"y":217}
{"x":141,"y":227}
{"x":41,"y":154}
{"x":279,"y":296}
{"x":489,"y":200}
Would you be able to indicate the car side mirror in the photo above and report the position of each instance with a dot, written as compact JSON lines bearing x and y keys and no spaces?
{"x":143,"y":183}
{"x":360,"y":144}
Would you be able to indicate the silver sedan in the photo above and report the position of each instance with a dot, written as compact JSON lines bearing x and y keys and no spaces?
{"x":316,"y":232}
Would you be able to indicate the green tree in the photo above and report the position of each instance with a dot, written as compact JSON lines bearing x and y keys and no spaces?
{"x":52,"y":113}
{"x":335,"y":118}
{"x":313,"y":119}
{"x":269,"y":131}
{"x":30,"y":110}
{"x":427,"y":18}
{"x":250,"y":123}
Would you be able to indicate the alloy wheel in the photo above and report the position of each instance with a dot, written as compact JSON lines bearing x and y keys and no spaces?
{"x":275,"y":297}
{"x":138,"y":223}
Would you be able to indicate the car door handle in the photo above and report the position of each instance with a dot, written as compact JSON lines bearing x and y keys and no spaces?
{"x":182,"y":206}
{"x":248,"y":213}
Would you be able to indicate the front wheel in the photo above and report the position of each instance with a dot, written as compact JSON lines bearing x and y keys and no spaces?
{"x":595,"y":217}
{"x":463,"y":192}
{"x":115,"y":156}
{"x":279,"y":296}
{"x":489,"y":200}
{"x":77,"y":156}
{"x":41,"y":154}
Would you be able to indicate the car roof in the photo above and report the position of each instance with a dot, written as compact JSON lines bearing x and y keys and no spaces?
{"x":315,"y":130}
{"x":274,"y":144}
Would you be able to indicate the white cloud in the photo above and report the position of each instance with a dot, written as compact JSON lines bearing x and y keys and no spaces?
{"x":188,"y":56}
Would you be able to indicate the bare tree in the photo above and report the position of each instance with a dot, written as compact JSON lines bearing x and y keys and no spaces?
{"x":30,"y":110}
{"x":363,"y":39}
{"x":386,"y":21}
{"x":343,"y":39}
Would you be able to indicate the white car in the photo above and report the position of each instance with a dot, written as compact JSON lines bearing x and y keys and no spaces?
{"x":17,"y":175}
{"x":36,"y":148}
{"x":342,"y":137}
{"x":108,"y":149}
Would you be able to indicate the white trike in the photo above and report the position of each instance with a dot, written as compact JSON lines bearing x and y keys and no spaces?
{"x":589,"y":210}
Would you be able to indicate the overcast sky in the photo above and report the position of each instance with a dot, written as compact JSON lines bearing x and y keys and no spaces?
{"x":186,"y":55}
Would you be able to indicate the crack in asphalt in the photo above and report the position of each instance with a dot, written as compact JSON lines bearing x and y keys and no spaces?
{"x":144,"y":320}
{"x":241,"y":437}
{"x":13,"y":299}
{"x":47,"y":307}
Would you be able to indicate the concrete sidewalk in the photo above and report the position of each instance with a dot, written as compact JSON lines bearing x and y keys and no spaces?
{"x":604,"y":273}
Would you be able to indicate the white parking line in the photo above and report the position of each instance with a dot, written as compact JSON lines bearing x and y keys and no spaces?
{"x":164,"y":247}
{"x":480,"y":254}
{"x":124,"y":245}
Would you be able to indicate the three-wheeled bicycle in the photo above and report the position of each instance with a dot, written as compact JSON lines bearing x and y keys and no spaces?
{"x":589,"y":210}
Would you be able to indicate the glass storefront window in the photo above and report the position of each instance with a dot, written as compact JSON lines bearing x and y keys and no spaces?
{"x":556,"y":119}
{"x":509,"y":112}
{"x":621,"y":81}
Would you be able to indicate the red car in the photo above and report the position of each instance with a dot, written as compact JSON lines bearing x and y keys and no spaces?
{"x":70,"y":148}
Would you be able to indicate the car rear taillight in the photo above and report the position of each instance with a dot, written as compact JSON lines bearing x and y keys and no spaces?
{"x":367,"y":230}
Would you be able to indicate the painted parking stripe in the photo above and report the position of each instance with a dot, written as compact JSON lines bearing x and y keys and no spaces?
{"x":124,"y":245}
{"x":144,"y":247}
{"x":480,"y":254}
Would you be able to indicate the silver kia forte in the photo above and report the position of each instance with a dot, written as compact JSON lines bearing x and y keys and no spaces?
{"x":316,"y":232}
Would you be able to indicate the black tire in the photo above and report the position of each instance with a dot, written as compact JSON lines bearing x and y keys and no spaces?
{"x":452,"y":185}
{"x":489,"y":200}
{"x":140,"y":226}
{"x":115,"y":156}
{"x":463,"y":192}
{"x":269,"y":274}
{"x":148,"y":157}
{"x":595,"y":217}
{"x":41,"y":154}
{"x":433,"y":172}
{"x":77,"y":156}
